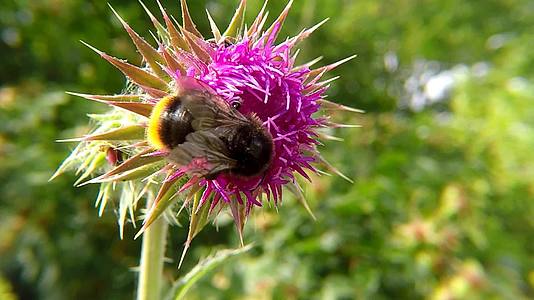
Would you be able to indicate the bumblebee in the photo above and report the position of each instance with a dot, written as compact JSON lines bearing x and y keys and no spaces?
{"x":209,"y":136}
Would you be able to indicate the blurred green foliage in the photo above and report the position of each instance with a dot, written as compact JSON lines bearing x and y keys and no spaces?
{"x":442,"y":205}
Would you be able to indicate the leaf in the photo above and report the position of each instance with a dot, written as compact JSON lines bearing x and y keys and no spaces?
{"x":182,"y":286}
{"x":254,"y":34}
{"x":273,"y":31}
{"x":237,"y":21}
{"x":125,"y":133}
{"x":255,"y":27}
{"x":135,"y":106}
{"x":142,"y":109}
{"x":136,"y":74}
{"x":318,"y":73}
{"x":196,"y":46}
{"x":296,"y":190}
{"x":160,"y":29}
{"x":239,"y":216}
{"x":70,"y":163}
{"x":172,"y":63}
{"x":137,"y":173}
{"x":152,"y":57}
{"x":96,"y":162}
{"x":109,"y":98}
{"x":200,"y":216}
{"x":165,"y":197}
{"x":134,"y":162}
{"x":328,"y":105}
{"x":314,"y":86}
{"x":321,"y":160}
{"x":104,"y":196}
{"x":214,"y":29}
{"x":177,"y":40}
{"x":188,"y":22}
{"x":308,"y":64}
{"x":306,"y":33}
{"x":197,"y":221}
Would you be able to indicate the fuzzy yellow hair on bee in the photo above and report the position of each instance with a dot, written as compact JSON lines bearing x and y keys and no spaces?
{"x":154,"y":131}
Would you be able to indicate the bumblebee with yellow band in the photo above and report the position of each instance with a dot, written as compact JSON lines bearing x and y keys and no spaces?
{"x":207,"y":135}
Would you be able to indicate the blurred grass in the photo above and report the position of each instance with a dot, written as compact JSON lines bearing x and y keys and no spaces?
{"x":442,"y":204}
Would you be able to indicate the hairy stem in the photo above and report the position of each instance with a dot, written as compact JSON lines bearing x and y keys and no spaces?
{"x":152,"y":256}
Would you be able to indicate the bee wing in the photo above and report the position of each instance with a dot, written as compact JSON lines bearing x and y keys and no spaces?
{"x":211,"y":111}
{"x":203,"y":154}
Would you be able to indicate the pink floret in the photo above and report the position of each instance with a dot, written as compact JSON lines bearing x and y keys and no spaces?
{"x":263,"y":77}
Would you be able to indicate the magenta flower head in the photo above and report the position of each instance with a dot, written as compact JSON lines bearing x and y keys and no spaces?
{"x":217,"y":123}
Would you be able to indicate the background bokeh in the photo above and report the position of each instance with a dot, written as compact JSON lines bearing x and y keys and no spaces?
{"x":443,"y":201}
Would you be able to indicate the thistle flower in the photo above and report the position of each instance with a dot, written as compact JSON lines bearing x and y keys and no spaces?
{"x":242,"y":63}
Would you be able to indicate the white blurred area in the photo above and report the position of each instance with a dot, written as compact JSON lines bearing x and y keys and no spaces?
{"x":428,"y":82}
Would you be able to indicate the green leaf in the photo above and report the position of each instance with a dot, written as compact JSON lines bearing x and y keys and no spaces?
{"x":164,"y":198}
{"x":137,"y":173}
{"x":296,"y":190}
{"x":135,"y":161}
{"x":135,"y":106}
{"x":181,"y":287}
{"x":257,"y":25}
{"x":136,"y":74}
{"x":109,"y":98}
{"x":236,"y":24}
{"x":151,"y":55}
{"x":162,"y":33}
{"x":188,"y":24}
{"x":214,"y":29}
{"x":277,"y":24}
{"x":125,"y":133}
{"x":177,"y":40}
{"x":197,"y":220}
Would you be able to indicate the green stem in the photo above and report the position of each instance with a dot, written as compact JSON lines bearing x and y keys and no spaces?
{"x":152,"y":256}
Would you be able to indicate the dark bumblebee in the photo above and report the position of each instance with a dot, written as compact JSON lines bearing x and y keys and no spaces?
{"x":209,"y":136}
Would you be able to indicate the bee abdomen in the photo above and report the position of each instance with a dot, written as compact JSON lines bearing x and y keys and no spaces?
{"x":252,"y":148}
{"x":169,"y":124}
